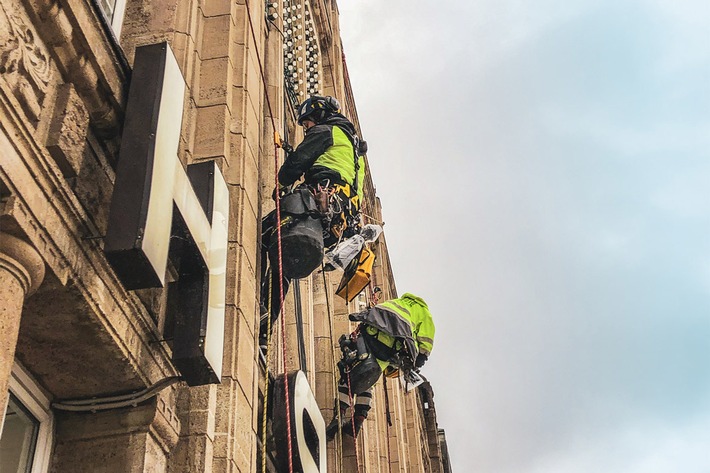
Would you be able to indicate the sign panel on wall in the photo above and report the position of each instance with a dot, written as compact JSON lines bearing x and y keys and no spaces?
{"x":308,"y":440}
{"x":159,"y":211}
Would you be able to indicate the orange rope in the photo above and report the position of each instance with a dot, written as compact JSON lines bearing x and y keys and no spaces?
{"x":281,"y":314}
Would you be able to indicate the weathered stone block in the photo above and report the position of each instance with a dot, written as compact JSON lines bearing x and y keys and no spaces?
{"x":199,"y":456}
{"x":243,"y":294}
{"x":249,"y":302}
{"x":238,"y":105}
{"x":186,"y":17}
{"x":203,"y":398}
{"x":236,"y":205}
{"x":325,"y":353}
{"x":215,"y":41}
{"x":221,"y":464}
{"x":250,"y":227}
{"x":93,"y":188}
{"x":244,"y":171}
{"x":232,"y":272}
{"x":231,"y":334}
{"x":215,"y":77}
{"x":216,"y":7}
{"x":66,"y":140}
{"x":321,"y":322}
{"x":241,"y":23}
{"x":324,"y":392}
{"x":226,"y":400}
{"x":246,"y":354}
{"x":201,"y":423}
{"x":183,"y":46}
{"x":211,"y":132}
{"x":244,"y":433}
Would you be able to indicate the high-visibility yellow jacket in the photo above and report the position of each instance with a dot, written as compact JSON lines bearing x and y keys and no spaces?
{"x":407,"y":318}
{"x":414,"y":311}
{"x":326,"y":152}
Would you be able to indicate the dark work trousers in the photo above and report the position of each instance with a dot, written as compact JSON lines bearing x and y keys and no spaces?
{"x":344,"y":212}
{"x":363,"y":400}
{"x":270,"y":277}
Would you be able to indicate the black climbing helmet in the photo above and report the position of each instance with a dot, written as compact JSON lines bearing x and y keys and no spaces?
{"x":317,"y":108}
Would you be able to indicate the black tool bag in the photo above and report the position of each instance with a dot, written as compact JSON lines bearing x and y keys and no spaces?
{"x":359,"y":367}
{"x":301,"y":235}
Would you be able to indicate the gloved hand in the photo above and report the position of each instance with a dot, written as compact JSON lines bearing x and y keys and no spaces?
{"x":278,"y":193}
{"x":283,"y":144}
{"x":421,"y":359}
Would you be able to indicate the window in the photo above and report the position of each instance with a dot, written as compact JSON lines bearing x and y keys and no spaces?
{"x":25,"y":442}
{"x":19,"y":437}
{"x":113,"y":10}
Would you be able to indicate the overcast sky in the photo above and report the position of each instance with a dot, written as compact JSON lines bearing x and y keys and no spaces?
{"x":544,"y":170}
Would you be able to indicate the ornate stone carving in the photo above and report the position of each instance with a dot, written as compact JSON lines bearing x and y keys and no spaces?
{"x":24,"y":61}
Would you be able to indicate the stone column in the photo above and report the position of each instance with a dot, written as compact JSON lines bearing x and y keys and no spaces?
{"x":21,"y":272}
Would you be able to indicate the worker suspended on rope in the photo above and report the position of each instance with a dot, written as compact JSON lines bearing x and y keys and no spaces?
{"x":392,"y":337}
{"x":330,"y":160}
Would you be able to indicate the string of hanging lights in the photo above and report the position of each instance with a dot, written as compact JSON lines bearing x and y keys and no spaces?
{"x":301,"y":53}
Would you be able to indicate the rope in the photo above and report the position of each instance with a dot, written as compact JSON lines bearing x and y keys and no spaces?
{"x":266,"y":375}
{"x":389,"y":423}
{"x":332,"y":354}
{"x":278,"y":232}
{"x":352,"y":422}
{"x":281,"y":315}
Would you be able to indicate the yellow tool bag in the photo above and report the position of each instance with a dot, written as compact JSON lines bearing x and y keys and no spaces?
{"x":357,"y":275}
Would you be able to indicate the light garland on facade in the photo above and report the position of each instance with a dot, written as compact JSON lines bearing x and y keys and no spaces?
{"x":301,"y":53}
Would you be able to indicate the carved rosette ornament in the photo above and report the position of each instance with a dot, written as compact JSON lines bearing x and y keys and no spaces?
{"x":24,"y":61}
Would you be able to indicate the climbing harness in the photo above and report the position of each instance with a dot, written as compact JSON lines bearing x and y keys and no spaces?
{"x":339,"y":209}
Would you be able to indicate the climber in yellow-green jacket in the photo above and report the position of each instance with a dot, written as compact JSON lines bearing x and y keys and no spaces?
{"x":396,"y":335}
{"x":330,"y":160}
{"x":330,"y":153}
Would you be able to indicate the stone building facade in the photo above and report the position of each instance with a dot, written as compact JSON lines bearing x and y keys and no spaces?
{"x":88,"y":366}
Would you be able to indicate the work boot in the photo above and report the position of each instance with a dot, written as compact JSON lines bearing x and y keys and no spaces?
{"x":348,"y":426}
{"x":332,"y":430}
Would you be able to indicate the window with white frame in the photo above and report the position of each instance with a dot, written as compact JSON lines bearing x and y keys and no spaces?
{"x":113,"y":10}
{"x":26,"y":437}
